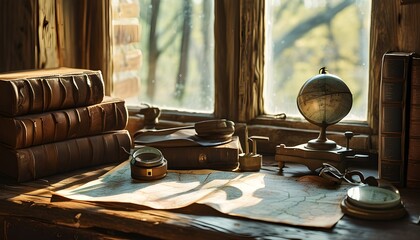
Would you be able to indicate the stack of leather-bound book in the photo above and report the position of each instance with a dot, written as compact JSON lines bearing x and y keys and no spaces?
{"x":57,"y":120}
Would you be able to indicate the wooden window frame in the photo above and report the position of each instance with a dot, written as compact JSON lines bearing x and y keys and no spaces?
{"x":53,"y":33}
{"x":83,"y":36}
{"x":239,"y":79}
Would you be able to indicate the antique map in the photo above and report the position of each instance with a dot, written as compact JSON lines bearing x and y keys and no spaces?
{"x":262,"y":196}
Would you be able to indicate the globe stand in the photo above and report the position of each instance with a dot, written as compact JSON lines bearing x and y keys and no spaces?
{"x":322,"y":143}
{"x":323,"y":100}
{"x":310,"y":154}
{"x":316,"y":152}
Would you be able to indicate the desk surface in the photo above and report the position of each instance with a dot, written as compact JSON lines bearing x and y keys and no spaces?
{"x":25,"y":210}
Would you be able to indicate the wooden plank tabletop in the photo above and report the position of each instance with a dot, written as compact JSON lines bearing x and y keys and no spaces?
{"x":32,"y":201}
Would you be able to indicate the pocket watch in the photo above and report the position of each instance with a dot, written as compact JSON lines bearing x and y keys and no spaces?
{"x":373,"y":197}
{"x":371,"y":202}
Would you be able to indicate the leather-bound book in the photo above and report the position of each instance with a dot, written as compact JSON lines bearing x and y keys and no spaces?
{"x":413,"y":161}
{"x":393,"y":110}
{"x":44,"y":160}
{"x":41,"y":128}
{"x":36,"y":91}
{"x":220,"y":157}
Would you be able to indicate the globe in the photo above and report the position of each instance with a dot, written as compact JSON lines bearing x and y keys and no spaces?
{"x":324,"y":100}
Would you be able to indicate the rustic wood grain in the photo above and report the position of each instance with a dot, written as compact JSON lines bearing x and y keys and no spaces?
{"x":28,"y":203}
{"x":84,"y":36}
{"x":13,"y":230}
{"x":47,"y":49}
{"x":18,"y":35}
{"x":83,"y":40}
{"x":394,"y":27}
{"x":239,"y":59}
{"x":226,"y":54}
{"x":251,"y":60}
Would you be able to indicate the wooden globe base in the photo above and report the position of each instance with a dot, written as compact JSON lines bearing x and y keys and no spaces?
{"x":322,"y":143}
{"x":315,"y":153}
{"x":316,"y":144}
{"x":313,"y":158}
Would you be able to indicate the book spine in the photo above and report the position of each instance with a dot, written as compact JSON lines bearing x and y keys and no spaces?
{"x":37,"y":129}
{"x":392,"y":120}
{"x":413,"y":162}
{"x":40,"y":161}
{"x":42,"y":94}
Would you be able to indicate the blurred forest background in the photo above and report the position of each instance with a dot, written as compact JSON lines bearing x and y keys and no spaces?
{"x":177,"y":43}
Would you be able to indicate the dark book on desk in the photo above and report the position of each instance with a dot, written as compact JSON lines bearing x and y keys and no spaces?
{"x":37,"y":91}
{"x":413,"y":162}
{"x":35,"y":162}
{"x":41,"y":128}
{"x":395,"y":77}
{"x":220,"y":157}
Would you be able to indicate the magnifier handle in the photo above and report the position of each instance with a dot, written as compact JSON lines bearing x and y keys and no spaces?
{"x":165,"y":131}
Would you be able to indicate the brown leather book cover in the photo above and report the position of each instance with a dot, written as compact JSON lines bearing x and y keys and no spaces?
{"x":395,"y":78}
{"x":413,"y":164}
{"x":36,"y":129}
{"x":220,"y":157}
{"x":44,"y":160}
{"x":37,"y":91}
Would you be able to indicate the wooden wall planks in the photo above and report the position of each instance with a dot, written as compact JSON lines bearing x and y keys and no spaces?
{"x":394,"y":27}
{"x":49,"y":33}
{"x":18,"y":32}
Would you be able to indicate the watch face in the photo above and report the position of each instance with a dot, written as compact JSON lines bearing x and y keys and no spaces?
{"x":373,"y":197}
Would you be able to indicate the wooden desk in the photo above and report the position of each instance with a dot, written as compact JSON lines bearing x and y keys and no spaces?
{"x":26,"y":212}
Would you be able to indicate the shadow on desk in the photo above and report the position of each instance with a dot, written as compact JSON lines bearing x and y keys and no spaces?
{"x":26,"y":210}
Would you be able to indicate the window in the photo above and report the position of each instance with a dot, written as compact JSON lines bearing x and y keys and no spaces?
{"x":177,"y":47}
{"x":83,"y":34}
{"x":244,"y":43}
{"x":303,"y":36}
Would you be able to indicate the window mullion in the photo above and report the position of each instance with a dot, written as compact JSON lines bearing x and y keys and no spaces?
{"x":239,"y":37}
{"x":251,"y":76}
{"x":226,"y":52}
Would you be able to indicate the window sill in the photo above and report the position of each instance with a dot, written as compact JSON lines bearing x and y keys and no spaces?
{"x":290,"y":133}
{"x":358,"y":127}
{"x":268,"y":120}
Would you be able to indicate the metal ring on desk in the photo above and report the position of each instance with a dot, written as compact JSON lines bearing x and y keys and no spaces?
{"x":148,"y":163}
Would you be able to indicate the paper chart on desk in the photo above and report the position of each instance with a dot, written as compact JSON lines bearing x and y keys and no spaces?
{"x":259,"y":196}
